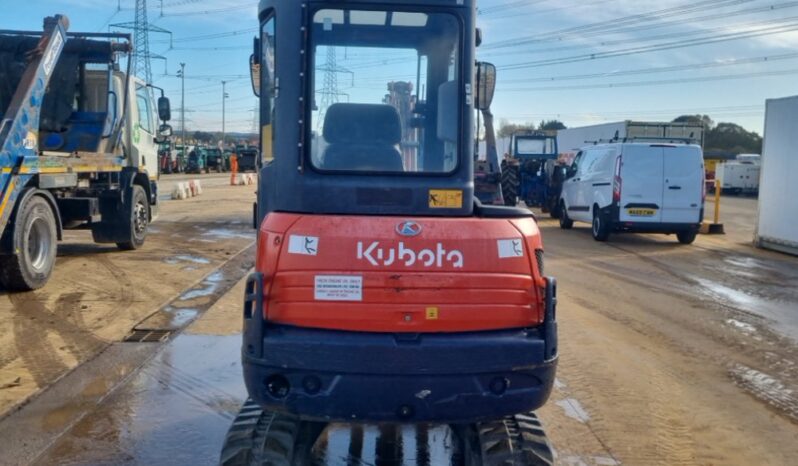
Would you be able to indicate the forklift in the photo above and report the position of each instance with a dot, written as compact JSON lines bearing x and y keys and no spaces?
{"x":384,"y":291}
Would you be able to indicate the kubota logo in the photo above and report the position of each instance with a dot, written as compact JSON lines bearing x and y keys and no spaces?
{"x":377,"y":255}
{"x":408,"y":228}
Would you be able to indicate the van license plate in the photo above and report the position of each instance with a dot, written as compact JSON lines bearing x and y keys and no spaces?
{"x":641,"y":212}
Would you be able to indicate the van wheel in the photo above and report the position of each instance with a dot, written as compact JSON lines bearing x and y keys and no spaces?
{"x":565,"y":221}
{"x":686,"y":237}
{"x":601,"y":227}
{"x":35,"y":241}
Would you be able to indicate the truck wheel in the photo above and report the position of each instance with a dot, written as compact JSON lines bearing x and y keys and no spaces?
{"x":601,"y":227}
{"x":565,"y":221}
{"x":136,"y":220}
{"x":509,"y":183}
{"x":686,"y":237}
{"x":35,"y":243}
{"x":513,"y":441}
{"x":261,"y":438}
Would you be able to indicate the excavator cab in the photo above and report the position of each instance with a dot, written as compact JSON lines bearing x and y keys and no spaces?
{"x":384,"y":290}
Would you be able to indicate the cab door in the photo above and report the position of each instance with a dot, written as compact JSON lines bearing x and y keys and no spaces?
{"x":143,"y":127}
{"x":570,"y":185}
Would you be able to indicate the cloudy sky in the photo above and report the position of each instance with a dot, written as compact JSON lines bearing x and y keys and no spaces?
{"x":580,"y":61}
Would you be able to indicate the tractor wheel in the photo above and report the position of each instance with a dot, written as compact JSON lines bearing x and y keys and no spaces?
{"x":137,"y":217}
{"x":260,"y":438}
{"x":509,"y":183}
{"x":686,"y":237}
{"x":600,"y":227}
{"x":513,"y":441}
{"x":34,"y":239}
{"x":565,"y":221}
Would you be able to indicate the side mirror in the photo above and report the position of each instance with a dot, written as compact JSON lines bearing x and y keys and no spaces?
{"x":164,"y":133}
{"x":164,"y":110}
{"x":486,"y":85}
{"x":254,"y":75}
{"x":478,"y":37}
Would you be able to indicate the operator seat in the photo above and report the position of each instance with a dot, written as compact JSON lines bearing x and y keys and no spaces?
{"x":362,"y":137}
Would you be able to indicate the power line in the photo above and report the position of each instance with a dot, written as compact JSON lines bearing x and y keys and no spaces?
{"x":507,"y":6}
{"x":667,"y":35}
{"x":662,"y":69}
{"x":616,"y":23}
{"x":653,"y":83}
{"x":539,"y":13}
{"x":655,"y":47}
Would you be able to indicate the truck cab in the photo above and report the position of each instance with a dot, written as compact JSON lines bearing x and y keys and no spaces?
{"x":383,"y":289}
{"x":78,"y":147}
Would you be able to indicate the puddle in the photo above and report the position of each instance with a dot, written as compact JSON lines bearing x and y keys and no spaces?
{"x":186,"y":258}
{"x":181,"y":316}
{"x":207,"y":287}
{"x":384,"y":444}
{"x":782,"y":314}
{"x":574,"y":410}
{"x":767,"y":388}
{"x":742,"y":326}
{"x":226,"y":233}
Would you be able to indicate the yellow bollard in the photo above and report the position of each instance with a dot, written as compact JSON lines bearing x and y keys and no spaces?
{"x":714,"y":228}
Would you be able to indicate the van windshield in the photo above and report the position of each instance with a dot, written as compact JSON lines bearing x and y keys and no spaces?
{"x":386,"y":91}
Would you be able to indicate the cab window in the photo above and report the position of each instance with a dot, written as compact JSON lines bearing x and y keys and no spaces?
{"x":386,"y":91}
{"x":145,"y":112}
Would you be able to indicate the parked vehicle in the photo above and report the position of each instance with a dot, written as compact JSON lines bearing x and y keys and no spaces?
{"x":635,"y":187}
{"x":529,"y":171}
{"x":778,"y":191}
{"x":573,"y":139}
{"x":247,"y":158}
{"x":740,"y":176}
{"x":195,"y":162}
{"x":79,"y":154}
{"x":384,"y":291}
{"x":217,"y":160}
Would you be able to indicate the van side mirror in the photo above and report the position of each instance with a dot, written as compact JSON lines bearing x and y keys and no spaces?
{"x":486,"y":85}
{"x":164,"y":109}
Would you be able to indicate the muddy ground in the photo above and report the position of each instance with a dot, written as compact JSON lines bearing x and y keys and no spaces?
{"x":670,"y":354}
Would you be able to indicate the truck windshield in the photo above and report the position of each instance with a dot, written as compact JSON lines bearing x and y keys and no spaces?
{"x":386,"y":93}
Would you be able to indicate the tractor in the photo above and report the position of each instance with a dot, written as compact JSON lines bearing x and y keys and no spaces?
{"x":384,"y":291}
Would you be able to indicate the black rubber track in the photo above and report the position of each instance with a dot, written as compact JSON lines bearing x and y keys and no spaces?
{"x":513,"y":441}
{"x":265,"y":438}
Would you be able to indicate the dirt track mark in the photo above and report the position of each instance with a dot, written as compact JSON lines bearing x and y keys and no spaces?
{"x":38,"y":332}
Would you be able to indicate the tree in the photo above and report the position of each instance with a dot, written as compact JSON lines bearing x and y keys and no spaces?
{"x":731,"y":137}
{"x":203,"y":136}
{"x":551,"y":125}
{"x":704,"y":119}
{"x":508,"y":129}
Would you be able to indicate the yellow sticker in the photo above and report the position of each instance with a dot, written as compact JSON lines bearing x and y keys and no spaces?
{"x":432,"y":313}
{"x":445,"y":198}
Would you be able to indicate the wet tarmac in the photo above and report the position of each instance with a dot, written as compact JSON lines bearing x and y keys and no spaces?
{"x":176,"y":411}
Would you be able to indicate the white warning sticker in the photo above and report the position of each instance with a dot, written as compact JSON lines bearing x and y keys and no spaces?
{"x":338,"y":288}
{"x":307,"y":245}
{"x":510,"y":248}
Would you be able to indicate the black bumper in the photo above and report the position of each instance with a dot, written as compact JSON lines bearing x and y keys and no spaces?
{"x":336,"y":375}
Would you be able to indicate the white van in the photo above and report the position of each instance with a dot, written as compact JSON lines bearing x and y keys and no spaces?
{"x":637,"y":187}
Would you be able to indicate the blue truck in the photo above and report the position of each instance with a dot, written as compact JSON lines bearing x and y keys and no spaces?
{"x":78,"y":147}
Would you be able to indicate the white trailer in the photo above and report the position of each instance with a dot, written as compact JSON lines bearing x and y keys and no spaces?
{"x":778,"y":210}
{"x":573,"y":139}
{"x":740,"y":175}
